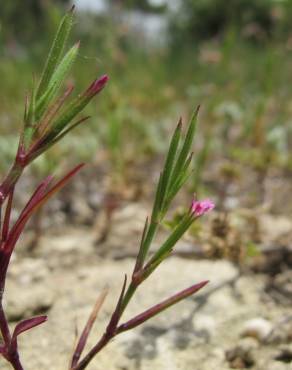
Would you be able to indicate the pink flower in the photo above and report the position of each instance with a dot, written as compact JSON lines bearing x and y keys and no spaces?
{"x":199,"y":208}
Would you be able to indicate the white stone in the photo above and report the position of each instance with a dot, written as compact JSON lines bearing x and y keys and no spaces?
{"x":258,"y":328}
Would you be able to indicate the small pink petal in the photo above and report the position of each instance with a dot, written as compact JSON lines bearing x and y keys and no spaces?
{"x":201,"y":207}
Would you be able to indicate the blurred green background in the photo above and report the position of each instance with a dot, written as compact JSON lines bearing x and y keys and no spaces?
{"x":163,"y":58}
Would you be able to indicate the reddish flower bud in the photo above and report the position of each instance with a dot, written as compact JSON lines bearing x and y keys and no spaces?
{"x":96,"y":86}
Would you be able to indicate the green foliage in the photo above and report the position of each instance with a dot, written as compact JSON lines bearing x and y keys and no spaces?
{"x":48,"y":119}
{"x":54,"y":72}
{"x":175,"y":173}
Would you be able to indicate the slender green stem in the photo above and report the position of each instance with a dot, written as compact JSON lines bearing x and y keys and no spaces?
{"x":128,"y":296}
{"x":148,"y":240}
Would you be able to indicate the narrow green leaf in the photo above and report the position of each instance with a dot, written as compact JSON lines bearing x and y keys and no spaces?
{"x":185,"y":150}
{"x":160,"y":206}
{"x":151,"y":231}
{"x":64,"y":66}
{"x":29,"y":124}
{"x":56,"y":52}
{"x":147,"y":242}
{"x":57,"y":79}
{"x":169,"y":162}
{"x":31,"y":108}
{"x":157,"y":200}
{"x":180,"y":180}
{"x":139,"y":260}
{"x":25,"y":109}
{"x":42,"y":102}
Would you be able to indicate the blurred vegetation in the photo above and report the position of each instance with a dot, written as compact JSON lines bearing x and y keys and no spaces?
{"x":231,"y":57}
{"x":143,"y":5}
{"x":253,"y":19}
{"x":24,"y":21}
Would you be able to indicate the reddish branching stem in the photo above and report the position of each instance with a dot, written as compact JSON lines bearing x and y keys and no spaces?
{"x":9,"y":238}
{"x":88,"y":327}
{"x":113,"y":329}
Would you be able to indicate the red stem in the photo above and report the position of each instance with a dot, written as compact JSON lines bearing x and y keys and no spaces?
{"x":10,"y":180}
{"x":15,"y":361}
{"x":93,"y":352}
{"x":7,"y":190}
{"x":11,"y":357}
{"x":4,"y":328}
{"x":6,"y":222}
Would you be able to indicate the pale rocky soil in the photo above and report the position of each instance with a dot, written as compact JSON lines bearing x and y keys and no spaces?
{"x":210,"y":331}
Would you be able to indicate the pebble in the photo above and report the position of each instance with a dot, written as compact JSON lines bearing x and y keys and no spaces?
{"x":242,"y":356}
{"x":258,"y":328}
